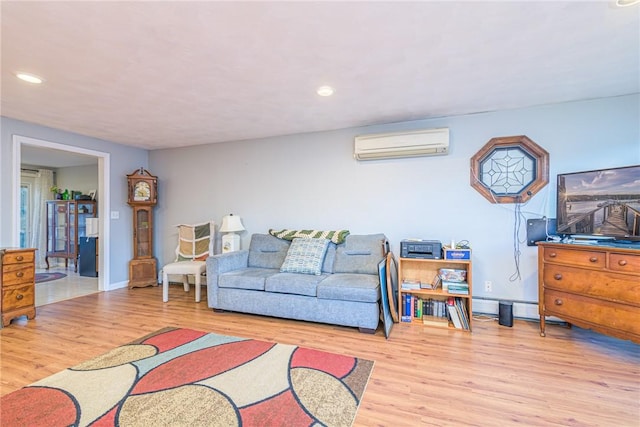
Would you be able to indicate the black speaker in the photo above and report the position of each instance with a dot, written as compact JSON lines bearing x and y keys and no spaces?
{"x":505,"y":313}
{"x":539,"y":229}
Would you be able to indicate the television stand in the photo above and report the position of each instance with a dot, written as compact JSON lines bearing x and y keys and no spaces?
{"x":592,"y":286}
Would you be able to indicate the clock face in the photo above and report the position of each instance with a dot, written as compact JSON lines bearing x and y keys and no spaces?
{"x":142,"y":192}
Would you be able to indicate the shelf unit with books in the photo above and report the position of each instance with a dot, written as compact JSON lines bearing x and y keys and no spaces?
{"x":419,"y":276}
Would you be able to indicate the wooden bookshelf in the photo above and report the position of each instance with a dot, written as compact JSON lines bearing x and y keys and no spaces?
{"x":424,"y":270}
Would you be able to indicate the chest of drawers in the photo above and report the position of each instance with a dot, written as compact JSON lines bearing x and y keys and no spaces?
{"x":594,"y":287}
{"x":17,"y":283}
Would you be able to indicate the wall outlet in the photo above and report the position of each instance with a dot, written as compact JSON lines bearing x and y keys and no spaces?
{"x":488,"y":286}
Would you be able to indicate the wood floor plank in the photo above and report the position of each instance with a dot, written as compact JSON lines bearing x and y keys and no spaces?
{"x":422,"y":376}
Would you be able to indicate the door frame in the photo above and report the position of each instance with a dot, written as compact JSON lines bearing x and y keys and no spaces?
{"x":103,"y":189}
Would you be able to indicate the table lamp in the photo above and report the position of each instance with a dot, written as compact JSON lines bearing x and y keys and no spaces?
{"x":231,"y":241}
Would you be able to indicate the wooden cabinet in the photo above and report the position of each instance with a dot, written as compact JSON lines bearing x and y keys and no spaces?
{"x":66,"y":224}
{"x":17,"y":283}
{"x":424,"y":270}
{"x":594,"y":287}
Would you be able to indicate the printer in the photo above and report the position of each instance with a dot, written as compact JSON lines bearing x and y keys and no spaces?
{"x":418,"y":248}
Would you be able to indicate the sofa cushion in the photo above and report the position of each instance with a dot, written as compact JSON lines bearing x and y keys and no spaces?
{"x":266,"y":251}
{"x":360,"y":254}
{"x":350,"y":287}
{"x":294,"y":283}
{"x":305,"y":256}
{"x":246,"y":278}
{"x":329,"y":258}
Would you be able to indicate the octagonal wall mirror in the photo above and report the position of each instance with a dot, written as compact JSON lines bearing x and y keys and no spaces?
{"x":510,"y":169}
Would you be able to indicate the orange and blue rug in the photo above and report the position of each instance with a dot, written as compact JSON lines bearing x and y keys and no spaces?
{"x":183,"y":377}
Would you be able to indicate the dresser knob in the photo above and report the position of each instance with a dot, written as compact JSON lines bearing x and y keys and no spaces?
{"x":622,"y":262}
{"x":558,"y":301}
{"x":557,"y":276}
{"x":552,"y":254}
{"x":19,"y":258}
{"x":20,"y":273}
{"x":593,"y":259}
{"x":19,"y":297}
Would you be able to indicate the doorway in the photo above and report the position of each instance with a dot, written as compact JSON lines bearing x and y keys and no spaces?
{"x":20,"y":142}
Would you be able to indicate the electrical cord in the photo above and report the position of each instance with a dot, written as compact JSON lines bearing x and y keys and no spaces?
{"x":517,"y":223}
{"x":462,"y":244}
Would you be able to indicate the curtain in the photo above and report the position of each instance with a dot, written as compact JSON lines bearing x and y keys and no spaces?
{"x":41,"y":193}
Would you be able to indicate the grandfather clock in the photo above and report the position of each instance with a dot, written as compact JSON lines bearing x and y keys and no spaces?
{"x":142,"y":197}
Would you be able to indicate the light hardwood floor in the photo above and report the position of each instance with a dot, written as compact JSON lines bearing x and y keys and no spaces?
{"x":496,"y":376}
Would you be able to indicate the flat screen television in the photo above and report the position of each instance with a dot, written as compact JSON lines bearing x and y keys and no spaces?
{"x":600,"y":204}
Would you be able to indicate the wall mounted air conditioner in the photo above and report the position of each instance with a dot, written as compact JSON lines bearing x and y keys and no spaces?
{"x":428,"y":142}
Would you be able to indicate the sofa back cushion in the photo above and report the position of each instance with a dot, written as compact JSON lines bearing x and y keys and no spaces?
{"x":360,"y":254}
{"x":329,"y":258}
{"x":266,"y":251}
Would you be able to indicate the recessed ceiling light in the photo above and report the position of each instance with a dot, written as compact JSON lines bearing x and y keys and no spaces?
{"x":325,"y":91}
{"x":31,"y":78}
{"x":625,"y":3}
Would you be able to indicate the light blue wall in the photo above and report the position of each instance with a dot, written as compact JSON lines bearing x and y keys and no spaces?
{"x":123,"y":160}
{"x":312,"y":181}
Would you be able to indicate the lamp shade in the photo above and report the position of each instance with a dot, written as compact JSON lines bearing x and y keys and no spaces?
{"x":231,"y":224}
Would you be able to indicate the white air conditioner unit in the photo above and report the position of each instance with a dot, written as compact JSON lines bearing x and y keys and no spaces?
{"x":428,"y":142}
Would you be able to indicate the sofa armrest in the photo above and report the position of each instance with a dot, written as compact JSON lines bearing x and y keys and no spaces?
{"x":219,"y":264}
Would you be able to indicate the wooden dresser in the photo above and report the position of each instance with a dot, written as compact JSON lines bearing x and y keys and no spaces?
{"x":594,"y":287}
{"x":17,"y":283}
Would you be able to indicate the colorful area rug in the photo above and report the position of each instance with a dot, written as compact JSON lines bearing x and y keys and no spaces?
{"x":48,"y":277}
{"x":183,"y":377}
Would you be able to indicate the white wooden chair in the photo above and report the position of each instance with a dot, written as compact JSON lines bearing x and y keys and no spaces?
{"x":195,"y":244}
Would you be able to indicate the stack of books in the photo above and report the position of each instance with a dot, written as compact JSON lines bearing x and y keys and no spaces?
{"x":458,"y":313}
{"x":459,"y":288}
{"x":411,"y":284}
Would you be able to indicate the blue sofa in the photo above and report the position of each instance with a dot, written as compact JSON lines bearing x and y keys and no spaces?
{"x":347,"y":292}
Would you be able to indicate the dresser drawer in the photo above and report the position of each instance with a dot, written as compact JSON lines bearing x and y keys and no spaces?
{"x":585,"y":310}
{"x":17,"y":297}
{"x":596,"y":259}
{"x":598,"y":284}
{"x":16,"y":257}
{"x":14,"y":274}
{"x":626,"y":263}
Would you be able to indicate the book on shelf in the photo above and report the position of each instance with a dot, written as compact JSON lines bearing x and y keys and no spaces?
{"x":448,"y":284}
{"x":406,"y":305}
{"x":461,"y":288}
{"x":417,"y":307}
{"x":453,"y":314}
{"x":461,"y":307}
{"x":411,"y":284}
{"x":436,"y":282}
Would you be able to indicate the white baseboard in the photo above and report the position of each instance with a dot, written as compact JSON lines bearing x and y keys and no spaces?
{"x":521,"y":310}
{"x":118,"y":285}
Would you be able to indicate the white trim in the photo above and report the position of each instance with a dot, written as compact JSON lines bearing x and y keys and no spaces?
{"x":520,"y":309}
{"x":104,"y":206}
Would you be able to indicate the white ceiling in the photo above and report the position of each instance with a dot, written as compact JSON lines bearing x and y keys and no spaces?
{"x":171,"y":74}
